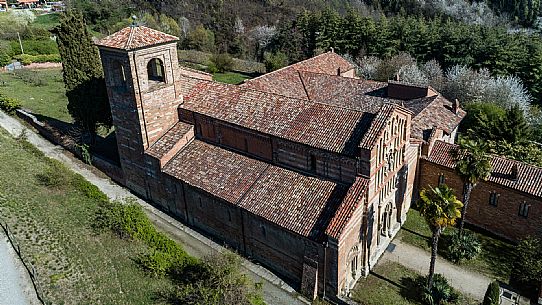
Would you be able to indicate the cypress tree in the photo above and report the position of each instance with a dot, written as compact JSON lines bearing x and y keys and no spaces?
{"x":493,"y":294}
{"x":83,"y":76}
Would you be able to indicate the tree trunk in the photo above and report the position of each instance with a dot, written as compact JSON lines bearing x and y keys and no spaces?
{"x":466,"y":197}
{"x":434,"y":247}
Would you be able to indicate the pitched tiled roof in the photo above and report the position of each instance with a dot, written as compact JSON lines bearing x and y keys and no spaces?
{"x":318,"y":125}
{"x":286,"y":81}
{"x":353,"y":93}
{"x":529,"y":179}
{"x":169,"y":139}
{"x":349,"y":205}
{"x":433,"y":111}
{"x":292,"y":200}
{"x":378,"y":124}
{"x":220,"y":172}
{"x":300,"y":203}
{"x":135,"y":37}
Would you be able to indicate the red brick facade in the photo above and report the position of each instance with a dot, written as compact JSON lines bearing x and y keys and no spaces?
{"x":308,"y":169}
{"x":496,"y":204}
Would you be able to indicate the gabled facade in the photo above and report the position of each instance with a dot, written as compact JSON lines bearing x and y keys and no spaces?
{"x":307,"y":169}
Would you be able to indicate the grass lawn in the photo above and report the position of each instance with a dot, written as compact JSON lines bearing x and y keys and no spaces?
{"x":53,"y":226}
{"x":46,"y":21}
{"x":494,"y":261}
{"x":230,"y":77}
{"x":40,"y":90}
{"x":391,"y":283}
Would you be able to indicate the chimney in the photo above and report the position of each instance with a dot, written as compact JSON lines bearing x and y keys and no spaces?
{"x":515,"y":172}
{"x":455,"y":106}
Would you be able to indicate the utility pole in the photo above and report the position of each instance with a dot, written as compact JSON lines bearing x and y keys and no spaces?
{"x":20,"y":43}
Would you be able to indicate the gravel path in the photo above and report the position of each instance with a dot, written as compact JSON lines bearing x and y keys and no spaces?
{"x":412,"y":257}
{"x":15,"y":285}
{"x":275,"y":291}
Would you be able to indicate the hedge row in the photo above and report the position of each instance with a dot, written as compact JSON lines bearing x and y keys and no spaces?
{"x":27,"y":59}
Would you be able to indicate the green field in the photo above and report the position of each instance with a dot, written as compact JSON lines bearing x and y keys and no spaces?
{"x":46,"y":21}
{"x":76,"y":265}
{"x":41,"y":91}
{"x":494,"y":261}
{"x":230,"y":77}
{"x":391,"y":283}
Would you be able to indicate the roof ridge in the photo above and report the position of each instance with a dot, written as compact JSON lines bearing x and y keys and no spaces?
{"x":130,"y":37}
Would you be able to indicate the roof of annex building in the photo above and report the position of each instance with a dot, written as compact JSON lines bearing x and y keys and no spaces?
{"x":528,"y":179}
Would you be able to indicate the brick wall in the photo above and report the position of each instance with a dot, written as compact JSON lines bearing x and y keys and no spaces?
{"x":503,"y":219}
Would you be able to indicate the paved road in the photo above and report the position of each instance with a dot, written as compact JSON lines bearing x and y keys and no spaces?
{"x":418,"y":259}
{"x":15,"y":285}
{"x":275,"y":291}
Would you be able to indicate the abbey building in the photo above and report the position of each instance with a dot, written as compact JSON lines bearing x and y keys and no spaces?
{"x":309,"y":170}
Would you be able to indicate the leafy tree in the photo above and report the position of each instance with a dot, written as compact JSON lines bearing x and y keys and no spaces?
{"x":217,"y":280}
{"x":221,"y":62}
{"x":516,"y":129}
{"x":528,"y":262}
{"x":274,"y":61}
{"x":472,"y":165}
{"x":493,"y":294}
{"x":200,"y":39}
{"x":83,"y":77}
{"x":5,"y":59}
{"x":441,"y":209}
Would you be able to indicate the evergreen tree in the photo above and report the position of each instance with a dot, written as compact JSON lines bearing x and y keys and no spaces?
{"x":493,"y":294}
{"x":515,"y":127}
{"x":83,"y":77}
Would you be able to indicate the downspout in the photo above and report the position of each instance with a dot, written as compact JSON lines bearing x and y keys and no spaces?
{"x":325,"y":268}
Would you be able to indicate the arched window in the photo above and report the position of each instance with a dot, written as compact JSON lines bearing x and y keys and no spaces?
{"x":118,"y":77}
{"x":155,"y":70}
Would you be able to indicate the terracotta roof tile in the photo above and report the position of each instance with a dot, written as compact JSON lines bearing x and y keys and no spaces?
{"x":169,"y":139}
{"x":431,"y":112}
{"x":135,"y":37}
{"x":378,"y":124}
{"x":286,"y":81}
{"x":529,"y":177}
{"x":292,"y":200}
{"x":297,"y":202}
{"x":318,"y":125}
{"x":349,"y":205}
{"x":217,"y":171}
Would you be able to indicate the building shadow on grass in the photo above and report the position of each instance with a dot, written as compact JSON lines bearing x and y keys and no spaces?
{"x":105,"y":146}
{"x":409,"y":287}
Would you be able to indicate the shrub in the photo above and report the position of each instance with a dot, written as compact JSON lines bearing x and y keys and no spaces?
{"x":156,"y":262}
{"x":130,"y":221}
{"x":222,"y":62}
{"x":5,"y":59}
{"x":465,"y":247}
{"x":493,"y":294}
{"x":35,"y":47}
{"x":27,"y":59}
{"x":56,"y":175}
{"x":275,"y":61}
{"x":31,"y":78}
{"x":9,"y":105}
{"x":88,"y":189}
{"x":441,"y":292}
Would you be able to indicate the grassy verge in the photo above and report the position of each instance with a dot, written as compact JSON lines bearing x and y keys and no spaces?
{"x":494,"y":261}
{"x":52,"y":217}
{"x":391,"y":283}
{"x":46,"y":21}
{"x":41,"y":91}
{"x":230,"y":77}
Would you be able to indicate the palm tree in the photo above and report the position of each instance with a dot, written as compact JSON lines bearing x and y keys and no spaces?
{"x":472,"y":166}
{"x":441,"y":209}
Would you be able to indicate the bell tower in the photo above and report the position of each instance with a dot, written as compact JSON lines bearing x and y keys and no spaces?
{"x":141,"y":70}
